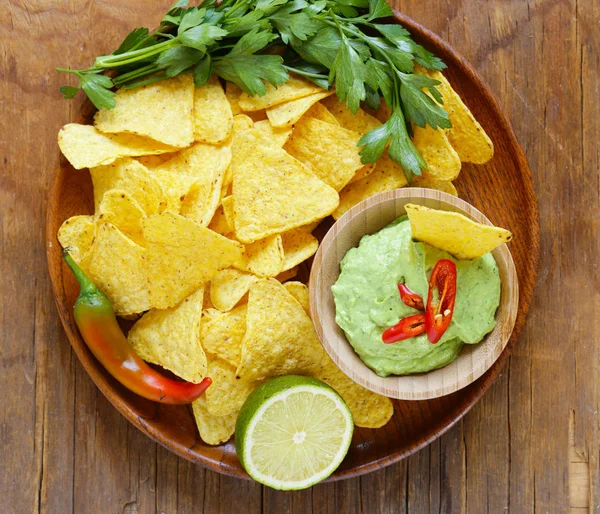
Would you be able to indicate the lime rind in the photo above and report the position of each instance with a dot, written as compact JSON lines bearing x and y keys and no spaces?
{"x":320,"y":394}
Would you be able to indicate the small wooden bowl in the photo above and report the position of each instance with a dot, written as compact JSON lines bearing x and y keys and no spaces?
{"x":368,"y":217}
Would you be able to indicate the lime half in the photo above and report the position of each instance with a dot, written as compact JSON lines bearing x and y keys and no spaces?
{"x":293,"y":432}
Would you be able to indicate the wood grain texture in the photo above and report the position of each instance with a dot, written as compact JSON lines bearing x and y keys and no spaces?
{"x":63,"y":448}
{"x":369,"y":217}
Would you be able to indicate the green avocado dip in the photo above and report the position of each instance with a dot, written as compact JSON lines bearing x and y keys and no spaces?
{"x":367,"y":300}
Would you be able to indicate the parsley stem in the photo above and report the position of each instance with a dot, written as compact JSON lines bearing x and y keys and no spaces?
{"x":306,"y":73}
{"x":134,"y":74}
{"x":113,"y":61}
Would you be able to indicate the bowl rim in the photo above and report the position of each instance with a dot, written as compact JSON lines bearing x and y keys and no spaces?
{"x":390,"y":386}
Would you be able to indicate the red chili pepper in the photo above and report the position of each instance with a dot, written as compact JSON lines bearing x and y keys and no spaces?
{"x":98,"y":325}
{"x":439,"y":310}
{"x":406,"y":328}
{"x":410,"y":298}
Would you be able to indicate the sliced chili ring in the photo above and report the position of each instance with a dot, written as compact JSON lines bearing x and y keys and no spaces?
{"x":410,"y":298}
{"x":406,"y":328}
{"x":440,"y":307}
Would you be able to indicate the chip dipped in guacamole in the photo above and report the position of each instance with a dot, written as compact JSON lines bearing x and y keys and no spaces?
{"x":368,"y":300}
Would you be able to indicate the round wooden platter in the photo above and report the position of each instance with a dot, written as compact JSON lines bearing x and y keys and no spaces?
{"x":502,"y":189}
{"x":369,"y":217}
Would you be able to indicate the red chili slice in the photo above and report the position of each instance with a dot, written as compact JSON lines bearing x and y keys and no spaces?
{"x":410,"y":298}
{"x":406,"y":328}
{"x":438,"y":313}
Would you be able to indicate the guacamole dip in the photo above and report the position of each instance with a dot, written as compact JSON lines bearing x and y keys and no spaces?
{"x":367,"y":300}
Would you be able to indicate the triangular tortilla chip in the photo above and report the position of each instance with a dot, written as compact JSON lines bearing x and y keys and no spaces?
{"x":288,"y":113}
{"x":328,"y":150}
{"x":280,"y":338}
{"x":290,"y":194}
{"x":298,"y":245}
{"x":226,"y":394}
{"x":198,"y":171}
{"x":119,"y":208}
{"x":264,"y":257}
{"x":228,"y":287}
{"x":434,"y":183}
{"x":118,"y":268}
{"x":182,"y":256}
{"x":466,"y":135}
{"x":171,"y":338}
{"x":295,"y":87}
{"x":77,"y":234}
{"x":360,"y":122}
{"x":213,"y":429}
{"x":213,"y":118}
{"x":320,"y":112}
{"x":86,"y":147}
{"x":454,"y":233}
{"x":162,"y":111}
{"x":279,"y":135}
{"x":388,"y":175}
{"x":222,"y":335}
{"x":369,"y":409}
{"x":133,"y":177}
{"x":442,"y":160}
{"x":300,"y":292}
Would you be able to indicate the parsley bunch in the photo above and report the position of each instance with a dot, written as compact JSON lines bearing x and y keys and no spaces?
{"x":250,"y":42}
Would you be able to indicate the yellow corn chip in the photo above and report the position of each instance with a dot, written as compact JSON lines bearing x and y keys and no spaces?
{"x":454,"y":233}
{"x":222,"y":334}
{"x":213,"y":118}
{"x":226,"y":394}
{"x":387,"y":176}
{"x":228,"y":287}
{"x":208,"y":311}
{"x":369,"y":409}
{"x":290,"y":194}
{"x":86,"y":147}
{"x":288,"y":113}
{"x":219,"y":223}
{"x":182,"y":256}
{"x":233,"y":93}
{"x":280,"y":338}
{"x":360,"y":122}
{"x":77,"y":234}
{"x":117,"y":267}
{"x":320,"y":112}
{"x":131,"y":176}
{"x":213,"y":429}
{"x":442,"y":160}
{"x":242,"y":122}
{"x":328,"y":150}
{"x":466,"y":135}
{"x":120,"y":209}
{"x":171,"y":338}
{"x":227,"y":179}
{"x":432,"y":183}
{"x":264,"y":257}
{"x":363,"y":172}
{"x":162,"y":111}
{"x":287,"y":274}
{"x":298,"y":245}
{"x":295,"y":87}
{"x":300,"y":292}
{"x":197,"y":170}
{"x":279,"y":135}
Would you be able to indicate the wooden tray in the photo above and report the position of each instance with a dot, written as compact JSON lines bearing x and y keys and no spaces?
{"x":502,"y":189}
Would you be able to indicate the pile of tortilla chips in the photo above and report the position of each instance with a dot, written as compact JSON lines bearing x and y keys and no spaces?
{"x":205,"y":203}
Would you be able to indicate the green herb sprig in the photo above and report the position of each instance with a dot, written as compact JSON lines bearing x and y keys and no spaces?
{"x":250,"y":42}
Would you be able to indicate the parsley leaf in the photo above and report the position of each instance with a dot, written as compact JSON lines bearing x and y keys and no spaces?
{"x":97,"y":88}
{"x":349,"y":73}
{"x":379,"y":9}
{"x":68,"y":92}
{"x":246,"y":69}
{"x":202,"y":71}
{"x":420,"y":107}
{"x":178,"y":59}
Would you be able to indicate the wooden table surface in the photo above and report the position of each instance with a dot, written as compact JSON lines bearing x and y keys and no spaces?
{"x":531,"y":444}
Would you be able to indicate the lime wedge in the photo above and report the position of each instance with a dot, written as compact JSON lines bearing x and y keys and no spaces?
{"x":293,"y":432}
